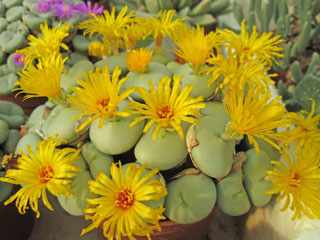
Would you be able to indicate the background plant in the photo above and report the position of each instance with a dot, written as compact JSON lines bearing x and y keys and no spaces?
{"x":298,"y":23}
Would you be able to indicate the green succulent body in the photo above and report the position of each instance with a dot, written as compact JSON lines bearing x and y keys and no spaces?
{"x":190,"y":198}
{"x":11,"y":117}
{"x":168,"y":150}
{"x":200,"y":82}
{"x":75,"y":203}
{"x":254,"y":169}
{"x":155,"y":73}
{"x":212,"y":154}
{"x":115,"y":137}
{"x":232,"y":197}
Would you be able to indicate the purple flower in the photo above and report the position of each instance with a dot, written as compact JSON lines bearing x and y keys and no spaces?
{"x":19,"y":59}
{"x":43,"y":7}
{"x":87,"y":8}
{"x":65,"y":10}
{"x":54,"y":2}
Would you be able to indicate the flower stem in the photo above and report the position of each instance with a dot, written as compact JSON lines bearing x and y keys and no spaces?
{"x":226,"y":136}
{"x":158,"y":44}
{"x":115,"y":48}
{"x":62,"y":102}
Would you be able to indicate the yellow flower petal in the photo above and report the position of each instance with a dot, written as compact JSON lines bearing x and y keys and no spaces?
{"x":298,"y":181}
{"x":108,"y":25}
{"x":99,"y":96}
{"x":249,"y":47}
{"x":195,"y":46}
{"x":42,"y":80}
{"x":255,"y":115}
{"x":120,"y":208}
{"x":48,"y":44}
{"x":46,"y":170}
{"x":306,"y":131}
{"x":139,"y":60}
{"x":167,"y":106}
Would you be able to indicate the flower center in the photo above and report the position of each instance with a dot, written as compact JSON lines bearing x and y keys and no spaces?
{"x":43,"y":4}
{"x":246,"y":48}
{"x":125,"y":199}
{"x":295,"y":180}
{"x":45,"y":173}
{"x":165,"y":112}
{"x":179,"y":59}
{"x":21,"y":59}
{"x":103,"y":103}
{"x":66,"y":8}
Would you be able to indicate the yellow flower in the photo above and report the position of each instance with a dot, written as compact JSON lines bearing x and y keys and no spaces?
{"x":247,"y":47}
{"x":196,"y":47}
{"x":167,"y":107}
{"x":139,"y":60}
{"x":236,"y":74}
{"x":99,"y":96}
{"x":42,"y":80}
{"x":97,"y":48}
{"x":108,"y":25}
{"x":306,"y":131}
{"x":120,"y":207}
{"x":163,"y":24}
{"x":48,"y":44}
{"x":254,"y":115}
{"x":137,"y":30}
{"x":298,"y":181}
{"x":49,"y":168}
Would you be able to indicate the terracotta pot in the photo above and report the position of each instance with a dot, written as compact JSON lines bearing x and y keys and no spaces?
{"x":171,"y":230}
{"x":13,"y":225}
{"x":27,"y":105}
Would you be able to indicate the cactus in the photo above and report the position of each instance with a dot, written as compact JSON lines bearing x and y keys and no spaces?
{"x":202,"y":12}
{"x":297,"y":94}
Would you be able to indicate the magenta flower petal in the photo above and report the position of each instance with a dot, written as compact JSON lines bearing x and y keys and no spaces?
{"x":19,"y":59}
{"x":43,"y":7}
{"x":66,"y":10}
{"x":87,"y":8}
{"x":54,"y":2}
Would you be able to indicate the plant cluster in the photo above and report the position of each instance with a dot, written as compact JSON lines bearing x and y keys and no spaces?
{"x":298,"y":25}
{"x":20,"y":22}
{"x":142,"y":136}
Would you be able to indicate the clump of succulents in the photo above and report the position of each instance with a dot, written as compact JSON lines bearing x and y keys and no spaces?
{"x":139,"y":137}
{"x":299,"y":27}
{"x":11,"y":118}
{"x":202,"y":12}
{"x":19,"y":19}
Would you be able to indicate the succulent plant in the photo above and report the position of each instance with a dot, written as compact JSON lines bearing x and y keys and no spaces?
{"x":11,"y":117}
{"x":202,"y":12}
{"x":304,"y":85}
{"x":206,"y":121}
